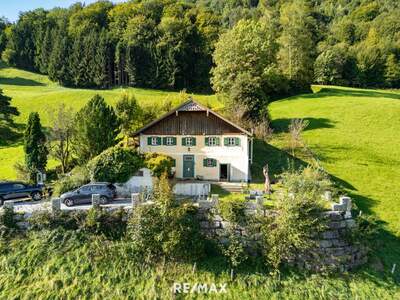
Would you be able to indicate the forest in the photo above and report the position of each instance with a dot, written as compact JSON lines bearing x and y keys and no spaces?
{"x":168,"y":44}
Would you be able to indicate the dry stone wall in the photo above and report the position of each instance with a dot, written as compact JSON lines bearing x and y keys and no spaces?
{"x":333,"y":250}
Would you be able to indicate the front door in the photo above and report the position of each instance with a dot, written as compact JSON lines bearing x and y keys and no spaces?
{"x":188,"y":166}
{"x":224,"y":172}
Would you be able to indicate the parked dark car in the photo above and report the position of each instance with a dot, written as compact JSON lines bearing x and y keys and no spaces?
{"x":83,"y":195}
{"x":10,"y":190}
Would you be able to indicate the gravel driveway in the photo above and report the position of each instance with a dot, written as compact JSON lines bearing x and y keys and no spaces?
{"x":29,"y":206}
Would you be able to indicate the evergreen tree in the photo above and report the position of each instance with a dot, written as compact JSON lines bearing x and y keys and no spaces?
{"x":101,"y":61}
{"x":96,"y":129}
{"x":59,"y":68}
{"x":43,"y":57}
{"x":35,"y":146}
{"x":78,"y":65}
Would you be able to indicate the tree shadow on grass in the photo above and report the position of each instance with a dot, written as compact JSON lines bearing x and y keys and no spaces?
{"x":340,"y":92}
{"x":11,"y":134}
{"x":282,"y":125}
{"x":20,"y":81}
{"x":277,"y":160}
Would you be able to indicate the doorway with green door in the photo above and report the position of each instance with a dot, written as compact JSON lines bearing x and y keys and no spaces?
{"x":188,"y":166}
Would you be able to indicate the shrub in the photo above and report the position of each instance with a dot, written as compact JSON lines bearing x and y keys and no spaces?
{"x":79,"y":176}
{"x":235,"y":250}
{"x":101,"y":222}
{"x":233,"y":210}
{"x":116,"y":164}
{"x":159,"y":163}
{"x":8,"y":224}
{"x":166,"y":229}
{"x":95,"y":221}
{"x":298,"y":219}
{"x":41,"y":220}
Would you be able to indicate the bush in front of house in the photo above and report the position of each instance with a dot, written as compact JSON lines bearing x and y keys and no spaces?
{"x":159,"y":163}
{"x":116,"y":164}
{"x":78,"y":177}
{"x":298,"y":217}
{"x":166,"y":229}
{"x":233,"y":210}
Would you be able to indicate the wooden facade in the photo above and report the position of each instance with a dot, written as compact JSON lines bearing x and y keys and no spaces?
{"x":191,"y":118}
{"x":191,"y":123}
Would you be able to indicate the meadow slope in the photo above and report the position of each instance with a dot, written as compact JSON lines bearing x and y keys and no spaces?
{"x":35,"y":92}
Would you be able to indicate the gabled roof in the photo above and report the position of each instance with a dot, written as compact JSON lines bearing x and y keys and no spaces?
{"x":191,"y":105}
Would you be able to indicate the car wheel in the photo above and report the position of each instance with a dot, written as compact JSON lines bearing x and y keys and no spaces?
{"x":69,"y":202}
{"x":103,"y":200}
{"x":36,"y":196}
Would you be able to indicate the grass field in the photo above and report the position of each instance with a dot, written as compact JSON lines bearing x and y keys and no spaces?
{"x":355,"y":133}
{"x":34,"y":92}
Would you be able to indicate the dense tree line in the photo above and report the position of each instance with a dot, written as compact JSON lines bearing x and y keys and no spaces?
{"x":170,"y":44}
{"x":155,"y":44}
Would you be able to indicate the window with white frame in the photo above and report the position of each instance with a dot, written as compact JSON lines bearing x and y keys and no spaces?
{"x":189,"y":141}
{"x":231,"y":141}
{"x":210,"y":163}
{"x":169,"y":141}
{"x":154,"y":141}
{"x":213,"y":141}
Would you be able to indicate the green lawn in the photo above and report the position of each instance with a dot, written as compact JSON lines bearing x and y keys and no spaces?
{"x":355,"y":133}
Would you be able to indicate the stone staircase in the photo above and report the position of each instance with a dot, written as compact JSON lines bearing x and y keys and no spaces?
{"x":232,"y":187}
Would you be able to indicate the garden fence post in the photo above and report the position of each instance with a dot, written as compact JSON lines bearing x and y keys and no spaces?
{"x":96,"y":200}
{"x":135,"y":198}
{"x":55,"y":205}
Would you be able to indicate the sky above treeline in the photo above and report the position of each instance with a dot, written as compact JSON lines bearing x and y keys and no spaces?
{"x":10,"y":9}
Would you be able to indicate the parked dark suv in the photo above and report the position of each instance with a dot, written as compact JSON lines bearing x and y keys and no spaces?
{"x":83,"y":195}
{"x":15,"y":189}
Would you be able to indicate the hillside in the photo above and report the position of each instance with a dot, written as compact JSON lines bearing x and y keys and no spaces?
{"x":34,"y":92}
{"x":354,"y":133}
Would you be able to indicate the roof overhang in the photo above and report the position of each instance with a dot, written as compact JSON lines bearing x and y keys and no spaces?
{"x":191,"y":105}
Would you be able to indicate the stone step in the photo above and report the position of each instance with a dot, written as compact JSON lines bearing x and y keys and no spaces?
{"x":232,"y":187}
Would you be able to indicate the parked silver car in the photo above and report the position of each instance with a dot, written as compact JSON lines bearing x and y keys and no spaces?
{"x":83,"y":195}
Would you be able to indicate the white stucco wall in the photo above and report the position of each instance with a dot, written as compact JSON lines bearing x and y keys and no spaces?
{"x":236,"y":156}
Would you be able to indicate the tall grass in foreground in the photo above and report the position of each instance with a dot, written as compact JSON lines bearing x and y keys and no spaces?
{"x":68,"y":265}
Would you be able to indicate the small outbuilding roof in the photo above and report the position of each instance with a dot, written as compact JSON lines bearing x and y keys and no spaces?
{"x":191,"y":105}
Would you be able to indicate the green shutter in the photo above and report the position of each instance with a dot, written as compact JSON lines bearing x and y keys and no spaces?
{"x":149,"y":141}
{"x":237,"y":141}
{"x":164,"y":140}
{"x":158,"y":140}
{"x":183,"y":141}
{"x":214,"y":163}
{"x":193,"y":141}
{"x":205,"y":162}
{"x":226,"y":141}
{"x":174,"y":141}
{"x":174,"y":162}
{"x":218,"y":141}
{"x":207,"y":141}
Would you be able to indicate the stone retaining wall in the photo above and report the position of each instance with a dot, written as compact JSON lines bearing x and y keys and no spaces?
{"x":333,"y":251}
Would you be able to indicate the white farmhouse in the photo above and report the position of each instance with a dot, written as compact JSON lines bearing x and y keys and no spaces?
{"x":203,"y":144}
